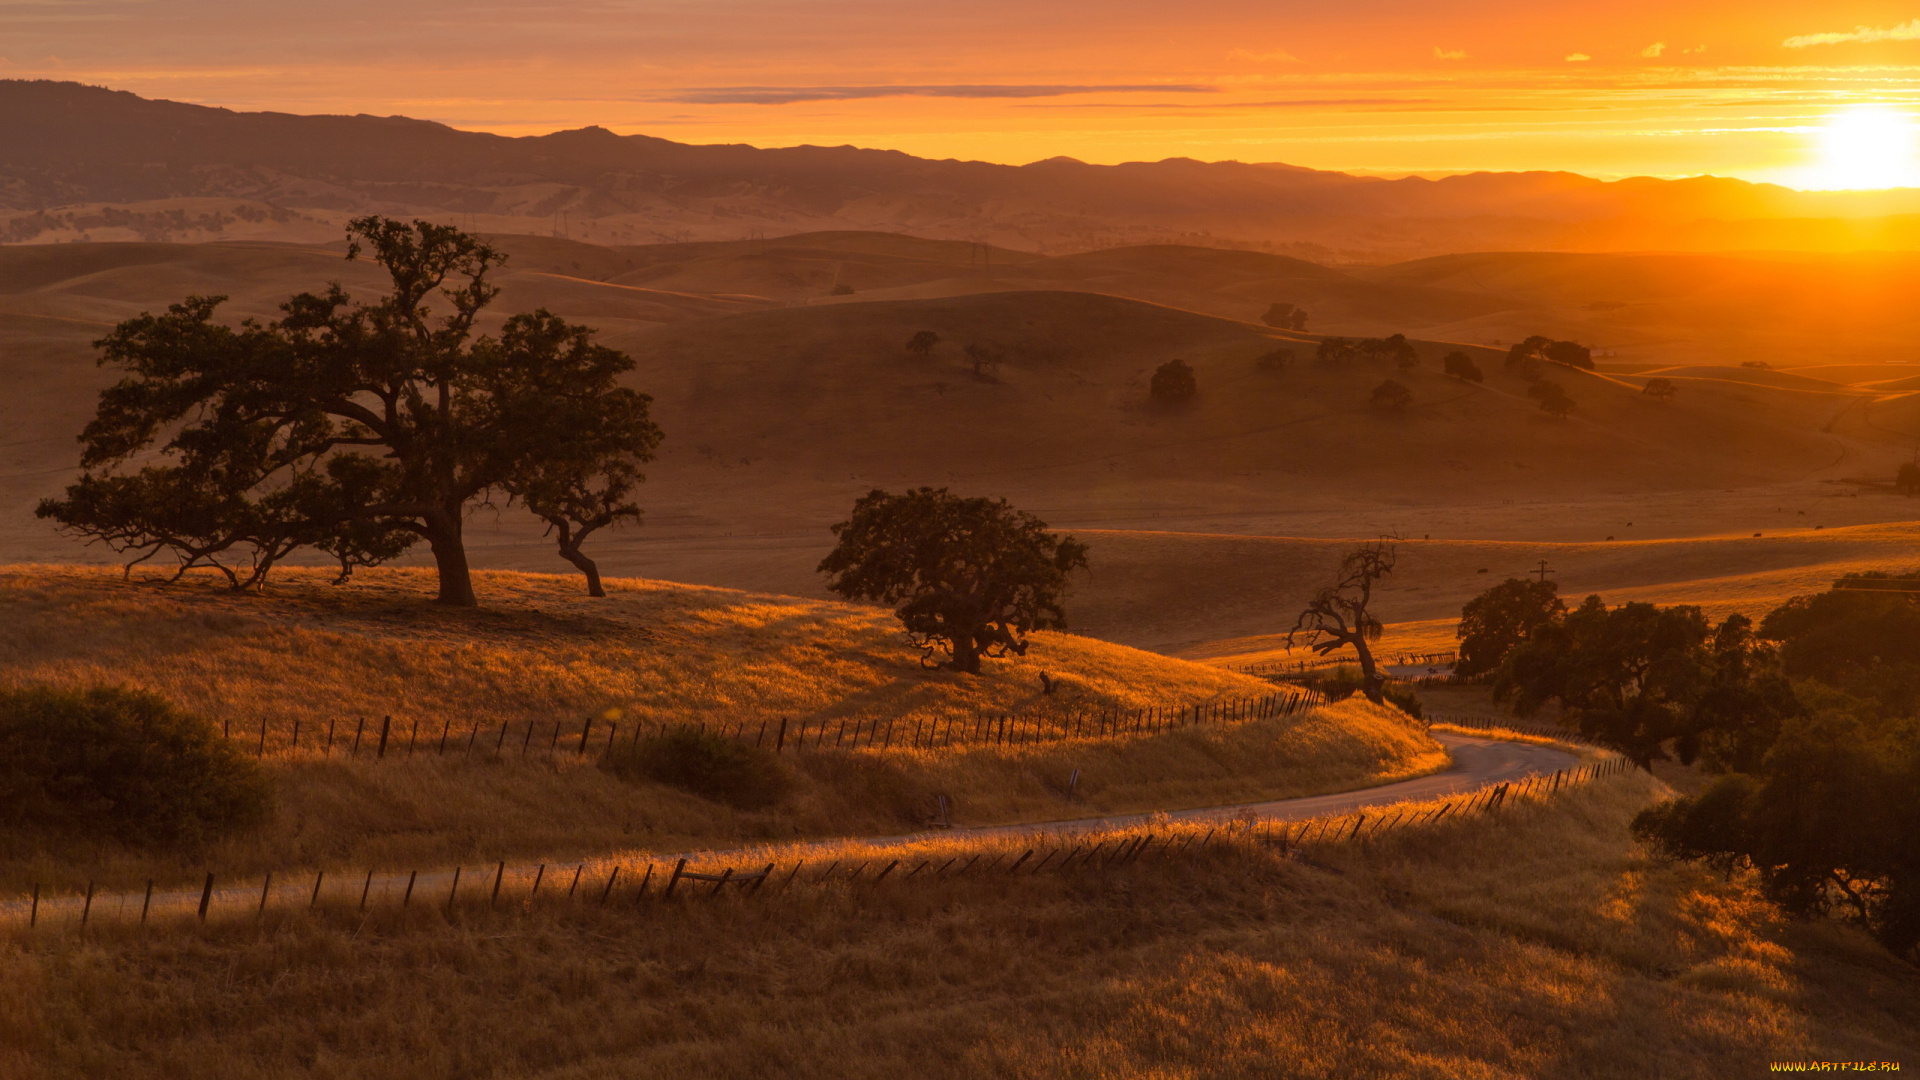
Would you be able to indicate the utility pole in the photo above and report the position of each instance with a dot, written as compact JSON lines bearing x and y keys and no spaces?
{"x":1543,"y":571}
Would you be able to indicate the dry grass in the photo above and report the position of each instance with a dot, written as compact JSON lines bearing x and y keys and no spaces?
{"x":538,"y":650}
{"x":1537,"y":943}
{"x":430,"y":812}
{"x":654,"y":651}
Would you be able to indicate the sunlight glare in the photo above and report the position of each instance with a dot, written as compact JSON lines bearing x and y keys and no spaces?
{"x":1866,"y":147}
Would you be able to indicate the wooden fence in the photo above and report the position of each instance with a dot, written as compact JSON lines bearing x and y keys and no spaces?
{"x":782,"y":735}
{"x":677,"y":879}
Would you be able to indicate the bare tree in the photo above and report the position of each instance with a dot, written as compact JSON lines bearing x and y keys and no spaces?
{"x":1337,"y":615}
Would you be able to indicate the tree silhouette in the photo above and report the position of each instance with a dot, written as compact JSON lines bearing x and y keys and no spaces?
{"x":1660,"y":389}
{"x":358,"y":429}
{"x":1335,"y":350}
{"x":1907,"y":478}
{"x":1461,"y":366}
{"x":985,"y":358}
{"x":972,"y":576}
{"x":1570,"y":353}
{"x":1275,"y":360}
{"x":1338,"y":614}
{"x":922,"y":342}
{"x":1392,"y":395}
{"x":1553,"y":400}
{"x":1285,"y":317}
{"x":1173,"y":381}
{"x":1500,"y":619}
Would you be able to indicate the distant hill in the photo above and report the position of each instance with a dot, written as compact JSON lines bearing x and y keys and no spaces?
{"x":79,"y":161}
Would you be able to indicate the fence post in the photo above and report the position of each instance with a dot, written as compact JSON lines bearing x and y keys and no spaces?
{"x":146,"y":903}
{"x":445,"y":726}
{"x":674,"y":881}
{"x":453,"y":892}
{"x":261,"y":750}
{"x":206,"y":897}
{"x":87,"y":908}
{"x":311,"y":904}
{"x":413,"y":736}
{"x":780,"y":740}
{"x":612,"y":730}
{"x":365,"y":889}
{"x":577,"y":871}
{"x":33,"y":914}
{"x":265,"y":885}
{"x":296,"y":734}
{"x":329,"y":750}
{"x":408,"y":898}
{"x":611,"y":878}
{"x":644,"y":882}
{"x":537,"y":876}
{"x":386,"y":726}
{"x":499,"y":875}
{"x":584,"y":729}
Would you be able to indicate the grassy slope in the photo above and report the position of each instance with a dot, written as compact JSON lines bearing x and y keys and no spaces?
{"x":1540,"y":943}
{"x":541,"y":652}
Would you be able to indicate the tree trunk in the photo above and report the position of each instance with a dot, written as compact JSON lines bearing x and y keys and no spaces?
{"x":450,"y":558}
{"x":966,"y":650}
{"x":1372,"y":683}
{"x":587,"y":566}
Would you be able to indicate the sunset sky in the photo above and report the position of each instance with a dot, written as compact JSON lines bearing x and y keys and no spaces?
{"x":1747,"y":89}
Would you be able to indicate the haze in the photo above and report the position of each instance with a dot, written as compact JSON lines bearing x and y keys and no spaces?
{"x":1606,"y":89}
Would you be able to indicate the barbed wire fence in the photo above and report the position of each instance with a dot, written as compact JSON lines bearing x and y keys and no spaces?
{"x":383,"y":738}
{"x":695,"y":877}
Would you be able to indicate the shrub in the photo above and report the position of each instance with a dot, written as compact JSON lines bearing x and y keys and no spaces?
{"x":1408,"y":702}
{"x":705,"y":764}
{"x":1461,"y":366}
{"x":123,"y":763}
{"x":1174,"y":381}
{"x":1277,"y":360}
{"x":1392,"y":394}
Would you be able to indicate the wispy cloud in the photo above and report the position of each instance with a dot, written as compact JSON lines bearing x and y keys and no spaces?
{"x":1270,"y":56}
{"x":1449,"y":54}
{"x":1909,"y":31}
{"x":1654,"y":49}
{"x":787,"y":95}
{"x":1578,"y":57}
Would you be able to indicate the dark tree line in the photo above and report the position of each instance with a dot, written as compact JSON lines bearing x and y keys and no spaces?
{"x":1809,"y":721}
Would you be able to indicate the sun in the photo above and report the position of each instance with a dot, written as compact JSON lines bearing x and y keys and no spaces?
{"x":1868,"y":146}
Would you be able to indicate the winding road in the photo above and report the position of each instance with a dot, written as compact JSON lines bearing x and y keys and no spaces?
{"x":1478,"y":762}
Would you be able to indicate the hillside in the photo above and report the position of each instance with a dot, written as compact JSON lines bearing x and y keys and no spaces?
{"x":1540,"y":944}
{"x":88,"y":162}
{"x":487,"y":705}
{"x":784,"y":404}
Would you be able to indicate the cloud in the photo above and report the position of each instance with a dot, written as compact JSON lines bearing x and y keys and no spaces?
{"x":1577,"y":57}
{"x":1654,"y":49}
{"x":786,"y":95}
{"x":1449,"y":54}
{"x":1280,"y":55}
{"x":1909,"y":31}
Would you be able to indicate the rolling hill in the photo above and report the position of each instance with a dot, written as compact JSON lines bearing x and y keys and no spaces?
{"x":783,"y":402}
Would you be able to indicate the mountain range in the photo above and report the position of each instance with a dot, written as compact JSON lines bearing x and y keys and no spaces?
{"x":81,"y":162}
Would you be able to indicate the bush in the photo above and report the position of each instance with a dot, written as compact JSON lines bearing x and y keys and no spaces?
{"x":123,"y":763}
{"x":705,"y":764}
{"x":1173,"y":381}
{"x":1408,"y":702}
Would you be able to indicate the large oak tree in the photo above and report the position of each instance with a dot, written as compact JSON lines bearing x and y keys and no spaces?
{"x":972,"y":576}
{"x":359,"y":429}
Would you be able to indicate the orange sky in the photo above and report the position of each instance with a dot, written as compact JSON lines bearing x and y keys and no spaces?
{"x":1605,"y":88}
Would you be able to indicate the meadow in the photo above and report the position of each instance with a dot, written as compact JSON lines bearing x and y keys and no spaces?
{"x":1535,"y":942}
{"x":652,"y":654}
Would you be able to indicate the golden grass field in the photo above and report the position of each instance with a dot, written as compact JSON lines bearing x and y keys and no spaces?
{"x":541,"y":652}
{"x":1536,"y":942}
